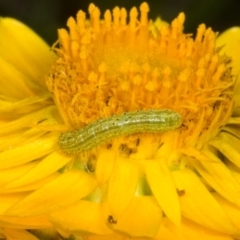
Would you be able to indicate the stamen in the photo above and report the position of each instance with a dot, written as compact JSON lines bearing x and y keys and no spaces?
{"x":123,"y":17}
{"x":71,"y":23}
{"x":133,"y":18}
{"x":116,"y":18}
{"x":144,"y":8}
{"x":108,"y":20}
{"x":81,"y":18}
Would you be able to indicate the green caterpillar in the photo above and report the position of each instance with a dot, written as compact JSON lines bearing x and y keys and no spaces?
{"x":103,"y":130}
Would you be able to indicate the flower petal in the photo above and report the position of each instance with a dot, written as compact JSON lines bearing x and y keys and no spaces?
{"x":230,"y":41}
{"x":66,"y":189}
{"x":115,"y":236}
{"x":192,"y":230}
{"x":122,"y":186}
{"x":26,"y":223}
{"x":8,"y":200}
{"x":188,"y":231}
{"x":31,"y":186}
{"x":228,"y":145}
{"x":169,"y":231}
{"x":105,"y":164}
{"x":10,"y":174}
{"x":233,"y":129}
{"x":198,"y":205}
{"x":47,"y":166}
{"x":214,"y":172}
{"x":30,"y":119}
{"x":13,"y":105}
{"x":17,"y":89}
{"x":28,"y":152}
{"x":24,"y":50}
{"x":18,"y":234}
{"x":161,"y":183}
{"x":82,"y":216}
{"x":232,"y":211}
{"x":145,"y":222}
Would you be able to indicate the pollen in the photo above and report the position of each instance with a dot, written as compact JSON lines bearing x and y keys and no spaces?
{"x":108,"y":65}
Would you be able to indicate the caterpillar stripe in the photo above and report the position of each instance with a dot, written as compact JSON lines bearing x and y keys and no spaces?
{"x":103,"y":130}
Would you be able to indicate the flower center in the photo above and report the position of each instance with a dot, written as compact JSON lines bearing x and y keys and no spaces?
{"x":110,"y":67}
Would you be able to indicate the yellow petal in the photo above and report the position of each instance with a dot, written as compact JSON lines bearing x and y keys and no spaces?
{"x":114,"y":236}
{"x":47,"y":166}
{"x":26,"y":223}
{"x":230,"y":41}
{"x":105,"y":164}
{"x":66,"y":189}
{"x":234,"y":120}
{"x":198,"y":205}
{"x":194,"y":231}
{"x":8,"y":175}
{"x":161,"y":183}
{"x":31,"y":186}
{"x":235,"y":172}
{"x":232,"y":211}
{"x":19,"y":138}
{"x":28,"y":152}
{"x":228,"y":145}
{"x":193,"y":152}
{"x":28,"y":120}
{"x":24,"y":50}
{"x":10,"y":104}
{"x":16,"y":234}
{"x":169,"y":231}
{"x":8,"y":200}
{"x":233,"y":129}
{"x":16,"y":86}
{"x":188,"y":231}
{"x":214,"y":172}
{"x":82,"y":216}
{"x":141,"y":218}
{"x":122,"y":185}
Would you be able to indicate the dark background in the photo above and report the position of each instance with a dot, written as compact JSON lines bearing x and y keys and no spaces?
{"x":45,"y":16}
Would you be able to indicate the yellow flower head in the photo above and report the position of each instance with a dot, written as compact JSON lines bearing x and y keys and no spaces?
{"x":178,"y":184}
{"x":111,"y":67}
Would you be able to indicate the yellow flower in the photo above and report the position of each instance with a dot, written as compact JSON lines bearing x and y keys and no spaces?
{"x":180,"y":184}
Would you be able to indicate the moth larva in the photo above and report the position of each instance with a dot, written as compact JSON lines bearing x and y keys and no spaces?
{"x":103,"y":130}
